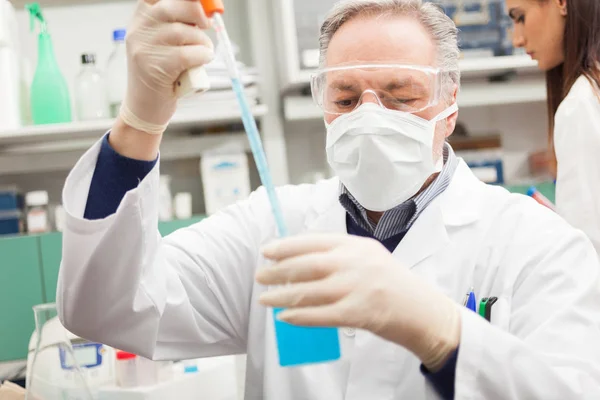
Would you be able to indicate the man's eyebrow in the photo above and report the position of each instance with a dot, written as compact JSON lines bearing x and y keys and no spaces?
{"x":402,"y":83}
{"x":343,"y":86}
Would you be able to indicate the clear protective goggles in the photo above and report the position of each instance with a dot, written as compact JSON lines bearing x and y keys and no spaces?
{"x":408,"y":88}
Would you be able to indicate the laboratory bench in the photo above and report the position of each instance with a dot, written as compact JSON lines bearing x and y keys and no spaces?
{"x":29,"y":271}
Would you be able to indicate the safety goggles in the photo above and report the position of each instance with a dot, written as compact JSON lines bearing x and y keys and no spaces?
{"x":407,"y":88}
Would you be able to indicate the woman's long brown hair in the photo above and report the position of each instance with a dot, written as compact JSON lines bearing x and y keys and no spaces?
{"x":582,"y":57}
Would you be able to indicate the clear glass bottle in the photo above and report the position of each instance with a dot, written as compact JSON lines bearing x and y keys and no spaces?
{"x":116,"y":73}
{"x":90,"y":91}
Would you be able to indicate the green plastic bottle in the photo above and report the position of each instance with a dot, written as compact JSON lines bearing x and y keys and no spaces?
{"x":50,"y":102}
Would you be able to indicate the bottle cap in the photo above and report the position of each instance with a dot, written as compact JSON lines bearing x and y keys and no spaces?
{"x":119,"y":35}
{"x":123,"y":355}
{"x":37,"y":199}
{"x":88,"y":58}
{"x":531,"y":191}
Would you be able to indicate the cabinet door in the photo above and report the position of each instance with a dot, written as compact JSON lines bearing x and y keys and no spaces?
{"x":51,"y":248}
{"x":20,"y":290}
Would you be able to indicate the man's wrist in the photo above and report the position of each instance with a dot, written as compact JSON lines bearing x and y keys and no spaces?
{"x":133,"y":143}
{"x":443,"y":342}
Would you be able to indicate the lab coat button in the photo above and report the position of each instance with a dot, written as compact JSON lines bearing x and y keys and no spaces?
{"x":350,"y":332}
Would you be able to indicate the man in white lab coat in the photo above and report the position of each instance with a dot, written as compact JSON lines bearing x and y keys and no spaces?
{"x":387,"y":87}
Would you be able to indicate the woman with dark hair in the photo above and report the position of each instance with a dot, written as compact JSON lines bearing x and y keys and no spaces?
{"x":564,"y":37}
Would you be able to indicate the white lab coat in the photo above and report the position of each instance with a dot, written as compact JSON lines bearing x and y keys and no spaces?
{"x":193,"y":294}
{"x":577,"y":147}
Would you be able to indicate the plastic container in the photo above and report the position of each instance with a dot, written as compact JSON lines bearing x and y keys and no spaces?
{"x":183,"y":205}
{"x":11,"y":206}
{"x":90,"y":91}
{"x":116,"y":73}
{"x":165,"y":210}
{"x":59,"y":218}
{"x":37,"y":211}
{"x":50,"y":101}
{"x":10,"y":222}
{"x":10,"y":199}
{"x":147,"y":372}
{"x":126,"y":369}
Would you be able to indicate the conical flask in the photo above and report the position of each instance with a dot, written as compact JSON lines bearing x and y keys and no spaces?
{"x":53,"y":372}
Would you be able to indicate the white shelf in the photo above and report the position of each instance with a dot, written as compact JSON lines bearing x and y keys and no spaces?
{"x":502,"y":93}
{"x":298,"y":108}
{"x":205,"y":116}
{"x":57,"y":147}
{"x":23,"y":161}
{"x":495,"y":65}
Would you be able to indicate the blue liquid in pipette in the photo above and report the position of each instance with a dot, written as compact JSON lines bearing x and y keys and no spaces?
{"x":296,"y":345}
{"x":259,"y":155}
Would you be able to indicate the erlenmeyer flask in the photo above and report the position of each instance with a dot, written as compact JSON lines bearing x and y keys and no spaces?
{"x":53,"y":370}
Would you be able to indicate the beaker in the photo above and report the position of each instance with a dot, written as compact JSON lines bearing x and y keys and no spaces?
{"x":53,"y":370}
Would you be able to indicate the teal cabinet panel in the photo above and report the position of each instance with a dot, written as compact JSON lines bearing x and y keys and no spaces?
{"x":548,"y":189}
{"x":166,"y":228}
{"x":51,"y":250}
{"x":29,"y":268}
{"x":20,"y":290}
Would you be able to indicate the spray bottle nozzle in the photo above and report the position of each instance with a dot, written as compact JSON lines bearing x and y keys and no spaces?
{"x":35,"y":13}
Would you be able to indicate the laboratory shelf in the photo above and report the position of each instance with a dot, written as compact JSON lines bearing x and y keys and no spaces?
{"x":205,"y":116}
{"x":58,"y":147}
{"x":496,"y":65}
{"x":479,"y":94}
{"x":472,"y":94}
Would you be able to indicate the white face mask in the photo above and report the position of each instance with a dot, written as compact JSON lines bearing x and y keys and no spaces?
{"x":383,"y":157}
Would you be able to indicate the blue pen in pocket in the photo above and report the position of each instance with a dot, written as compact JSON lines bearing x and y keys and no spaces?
{"x":471,"y":301}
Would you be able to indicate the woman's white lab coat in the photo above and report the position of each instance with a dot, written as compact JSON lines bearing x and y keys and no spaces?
{"x":193,"y":293}
{"x":577,"y":147}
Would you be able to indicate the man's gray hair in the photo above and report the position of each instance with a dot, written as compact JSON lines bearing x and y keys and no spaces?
{"x":441,"y":28}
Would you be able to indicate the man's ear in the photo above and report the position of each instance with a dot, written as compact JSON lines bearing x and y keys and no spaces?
{"x":451,"y":120}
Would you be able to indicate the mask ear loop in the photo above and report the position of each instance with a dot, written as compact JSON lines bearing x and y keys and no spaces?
{"x":446,"y":113}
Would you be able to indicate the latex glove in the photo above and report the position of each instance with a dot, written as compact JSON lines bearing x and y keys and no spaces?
{"x":164,"y":40}
{"x":347,"y":281}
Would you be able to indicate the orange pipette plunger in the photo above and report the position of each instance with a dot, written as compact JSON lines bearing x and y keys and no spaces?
{"x":212,"y":6}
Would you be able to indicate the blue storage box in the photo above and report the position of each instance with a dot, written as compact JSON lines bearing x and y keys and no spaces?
{"x":11,"y":211}
{"x":10,"y":222}
{"x":484,"y":26}
{"x":10,"y":199}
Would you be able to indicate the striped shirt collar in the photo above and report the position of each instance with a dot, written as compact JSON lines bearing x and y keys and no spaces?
{"x":400,"y":218}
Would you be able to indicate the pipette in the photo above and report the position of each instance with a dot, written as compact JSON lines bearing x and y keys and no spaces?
{"x":296,"y":345}
{"x":195,"y":81}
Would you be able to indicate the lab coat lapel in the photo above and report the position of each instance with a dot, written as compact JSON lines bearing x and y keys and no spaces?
{"x":459,"y":205}
{"x":325,"y":213}
{"x":426,"y":237}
